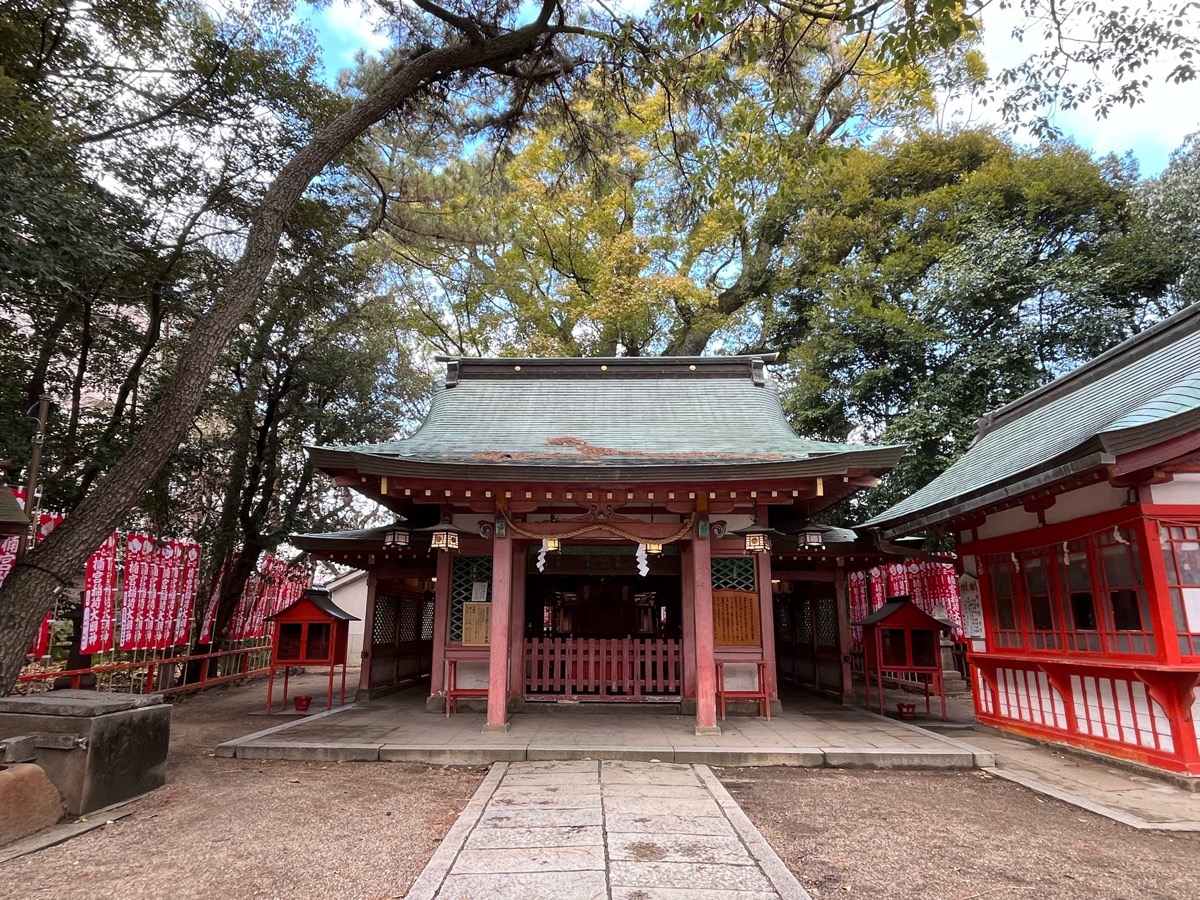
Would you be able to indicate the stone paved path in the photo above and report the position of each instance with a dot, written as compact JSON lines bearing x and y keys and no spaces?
{"x":586,"y":829}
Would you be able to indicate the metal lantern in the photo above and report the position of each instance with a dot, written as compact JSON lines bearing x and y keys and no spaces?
{"x":444,"y":539}
{"x":553,"y":544}
{"x":394,"y":538}
{"x":654,"y":548}
{"x":757,"y":538}
{"x":811,"y":537}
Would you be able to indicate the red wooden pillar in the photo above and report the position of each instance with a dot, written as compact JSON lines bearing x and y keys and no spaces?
{"x":498,"y":637}
{"x":1154,"y":574}
{"x":368,"y":651}
{"x":687,"y":611}
{"x":766,"y":615}
{"x":516,"y":653}
{"x":845,"y":638}
{"x":441,"y":630}
{"x":706,"y":674}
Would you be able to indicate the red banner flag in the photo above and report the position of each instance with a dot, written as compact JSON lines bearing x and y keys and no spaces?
{"x":41,"y":642}
{"x":139,"y":554}
{"x":187,"y":592}
{"x":100,"y":585}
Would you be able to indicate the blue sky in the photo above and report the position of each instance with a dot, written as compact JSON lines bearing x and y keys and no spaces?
{"x":1150,"y":130}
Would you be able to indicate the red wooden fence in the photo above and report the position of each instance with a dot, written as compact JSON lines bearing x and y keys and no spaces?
{"x":603,"y":669}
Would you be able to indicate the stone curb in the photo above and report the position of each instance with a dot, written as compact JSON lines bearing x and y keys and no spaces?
{"x":442,"y":755}
{"x":780,"y":876}
{"x":228,"y":749}
{"x":1117,"y":815}
{"x":435,"y":872}
{"x":983,"y":758}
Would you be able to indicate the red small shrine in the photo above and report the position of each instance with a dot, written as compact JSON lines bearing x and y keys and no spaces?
{"x":901,"y":639}
{"x":1076,"y":515}
{"x":310,"y":632}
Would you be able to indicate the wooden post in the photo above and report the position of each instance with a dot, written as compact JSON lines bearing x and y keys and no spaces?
{"x":766,"y":614}
{"x":441,"y":632}
{"x":516,"y":655}
{"x":498,"y":637}
{"x":844,"y":637}
{"x":368,"y":651}
{"x":687,"y":611}
{"x":706,"y":674}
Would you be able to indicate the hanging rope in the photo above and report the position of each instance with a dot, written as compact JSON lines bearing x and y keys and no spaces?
{"x":599,"y":526}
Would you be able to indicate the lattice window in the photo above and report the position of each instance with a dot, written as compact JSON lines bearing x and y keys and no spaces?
{"x":827,"y":624}
{"x":804,"y":631}
{"x":427,"y":620}
{"x":464,"y":573}
{"x":733,"y":573}
{"x":410,"y":619}
{"x":384,"y":629}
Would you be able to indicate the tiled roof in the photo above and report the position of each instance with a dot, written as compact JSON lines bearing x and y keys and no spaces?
{"x":12,"y":517}
{"x":1139,"y":394}
{"x":629,"y":414}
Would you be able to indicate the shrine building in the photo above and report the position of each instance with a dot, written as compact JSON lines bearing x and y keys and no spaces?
{"x":1076,"y":513}
{"x":632,"y":530}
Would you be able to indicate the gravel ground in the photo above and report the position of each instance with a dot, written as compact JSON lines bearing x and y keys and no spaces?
{"x":255,"y":829}
{"x":963,"y":836}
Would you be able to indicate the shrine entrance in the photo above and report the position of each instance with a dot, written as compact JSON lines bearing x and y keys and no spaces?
{"x":598,"y":630}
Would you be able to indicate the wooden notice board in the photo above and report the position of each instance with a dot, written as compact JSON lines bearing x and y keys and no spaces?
{"x":735,"y":619}
{"x":477,"y":624}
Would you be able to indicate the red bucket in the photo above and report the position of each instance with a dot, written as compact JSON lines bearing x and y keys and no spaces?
{"x":302,"y":703}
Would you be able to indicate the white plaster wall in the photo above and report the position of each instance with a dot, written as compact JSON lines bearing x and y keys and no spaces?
{"x":1086,"y":501}
{"x":350,"y":593}
{"x":1185,"y":490}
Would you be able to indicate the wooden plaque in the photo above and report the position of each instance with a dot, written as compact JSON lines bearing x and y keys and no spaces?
{"x":477,"y":624}
{"x":735,"y":619}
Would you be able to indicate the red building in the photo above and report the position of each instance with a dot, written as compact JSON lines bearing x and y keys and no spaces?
{"x":1077,"y":516}
{"x":604,"y":529}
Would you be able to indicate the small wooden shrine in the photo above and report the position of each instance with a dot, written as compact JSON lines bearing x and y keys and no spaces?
{"x":901,"y":639}
{"x":310,"y":632}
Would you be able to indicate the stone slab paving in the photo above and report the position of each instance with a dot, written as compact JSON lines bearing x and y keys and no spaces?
{"x":1138,"y":800}
{"x":583,"y":829}
{"x":809,"y":732}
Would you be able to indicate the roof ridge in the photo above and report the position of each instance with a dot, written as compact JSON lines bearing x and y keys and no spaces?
{"x":1112,"y":360}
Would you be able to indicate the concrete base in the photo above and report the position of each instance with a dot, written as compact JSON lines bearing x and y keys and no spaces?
{"x":708,"y":729}
{"x":29,"y":802}
{"x":495,"y":729}
{"x":97,"y":749}
{"x":436,"y":704}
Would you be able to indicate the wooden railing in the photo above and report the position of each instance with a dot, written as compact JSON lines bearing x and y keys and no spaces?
{"x":603,"y":669}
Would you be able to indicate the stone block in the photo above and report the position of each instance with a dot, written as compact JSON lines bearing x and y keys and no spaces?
{"x":898,"y":759}
{"x":567,"y":752}
{"x":452,"y":756}
{"x":97,"y":749}
{"x":18,"y":749}
{"x":316,"y":751}
{"x":809,"y":757}
{"x":29,"y":801}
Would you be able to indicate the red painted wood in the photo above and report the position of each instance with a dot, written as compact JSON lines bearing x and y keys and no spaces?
{"x":441,"y":624}
{"x":706,"y":675}
{"x":498,"y":638}
{"x":602,"y":669}
{"x":1050,"y":534}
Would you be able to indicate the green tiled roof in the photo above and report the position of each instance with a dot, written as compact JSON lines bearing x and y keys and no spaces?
{"x":1141,"y":393}
{"x":633,"y":415}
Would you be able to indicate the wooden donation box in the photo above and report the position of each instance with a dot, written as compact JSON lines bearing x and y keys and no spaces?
{"x":901,"y":639}
{"x":310,"y":632}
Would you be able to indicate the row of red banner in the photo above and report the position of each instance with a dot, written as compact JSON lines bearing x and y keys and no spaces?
{"x":930,"y":584}
{"x":158,"y":595}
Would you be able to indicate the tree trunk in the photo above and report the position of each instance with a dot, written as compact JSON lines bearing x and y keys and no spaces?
{"x":32,"y":585}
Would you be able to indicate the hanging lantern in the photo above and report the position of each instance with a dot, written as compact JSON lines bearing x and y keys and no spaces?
{"x":552,"y":544}
{"x":394,"y":538}
{"x":811,"y":537}
{"x":757,"y":538}
{"x":654,"y":548}
{"x":444,"y":539}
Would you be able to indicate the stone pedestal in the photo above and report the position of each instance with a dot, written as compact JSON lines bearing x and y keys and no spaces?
{"x":28,"y":801}
{"x":954,"y":682}
{"x":97,"y":749}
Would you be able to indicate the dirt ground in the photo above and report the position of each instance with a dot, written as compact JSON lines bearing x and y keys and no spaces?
{"x":255,"y":829}
{"x":968,"y":836}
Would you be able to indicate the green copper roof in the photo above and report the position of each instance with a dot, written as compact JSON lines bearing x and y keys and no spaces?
{"x":1141,"y":393}
{"x":700,"y":414}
